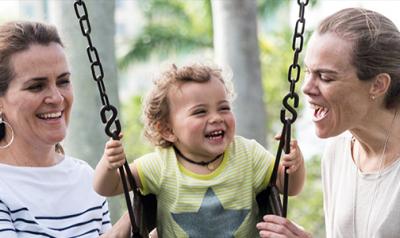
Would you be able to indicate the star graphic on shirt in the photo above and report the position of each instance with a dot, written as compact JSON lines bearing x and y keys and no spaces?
{"x":211,"y":220}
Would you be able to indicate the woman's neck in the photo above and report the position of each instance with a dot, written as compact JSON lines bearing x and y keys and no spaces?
{"x":24,"y":155}
{"x":376,"y":139}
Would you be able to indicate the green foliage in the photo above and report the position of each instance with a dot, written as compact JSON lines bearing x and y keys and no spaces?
{"x":276,"y":57}
{"x":266,"y":8}
{"x":306,"y":209}
{"x":172,"y":27}
{"x":133,"y":127}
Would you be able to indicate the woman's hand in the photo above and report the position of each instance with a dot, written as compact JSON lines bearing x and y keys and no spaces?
{"x":275,"y":226}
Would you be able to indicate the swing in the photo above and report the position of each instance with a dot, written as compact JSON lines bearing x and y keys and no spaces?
{"x":269,"y":200}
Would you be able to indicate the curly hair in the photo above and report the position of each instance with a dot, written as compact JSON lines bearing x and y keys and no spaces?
{"x":156,"y":104}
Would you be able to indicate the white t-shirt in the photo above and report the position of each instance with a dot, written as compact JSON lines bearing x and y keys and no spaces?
{"x":344,"y":207}
{"x":56,"y":201}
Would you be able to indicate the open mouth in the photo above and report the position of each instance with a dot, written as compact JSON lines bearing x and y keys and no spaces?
{"x":320,"y":112}
{"x":215,"y":135}
{"x":50,"y":115}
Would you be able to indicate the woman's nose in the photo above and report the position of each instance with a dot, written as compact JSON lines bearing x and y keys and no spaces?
{"x":54,"y":96}
{"x":309,"y":87}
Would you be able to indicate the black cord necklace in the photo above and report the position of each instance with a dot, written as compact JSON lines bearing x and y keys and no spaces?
{"x":207,"y":164}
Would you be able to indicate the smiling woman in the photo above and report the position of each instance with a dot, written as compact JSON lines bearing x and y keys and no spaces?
{"x":40,"y":94}
{"x":35,"y":105}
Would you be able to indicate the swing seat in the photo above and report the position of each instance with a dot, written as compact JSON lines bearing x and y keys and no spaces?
{"x":145,"y":207}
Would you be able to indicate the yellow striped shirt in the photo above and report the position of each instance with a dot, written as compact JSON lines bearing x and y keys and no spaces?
{"x":219,"y":204}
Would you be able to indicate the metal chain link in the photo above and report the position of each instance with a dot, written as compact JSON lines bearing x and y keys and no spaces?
{"x":293,"y":78}
{"x":98,"y":75}
{"x":97,"y":72}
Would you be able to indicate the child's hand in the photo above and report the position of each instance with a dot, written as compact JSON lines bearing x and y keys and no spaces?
{"x":114,"y":156}
{"x":294,"y":159}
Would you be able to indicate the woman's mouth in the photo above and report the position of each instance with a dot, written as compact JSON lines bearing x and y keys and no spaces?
{"x":320,"y":112}
{"x":50,"y":115}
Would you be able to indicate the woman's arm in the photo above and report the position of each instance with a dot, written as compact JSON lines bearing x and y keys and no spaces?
{"x":121,"y":229}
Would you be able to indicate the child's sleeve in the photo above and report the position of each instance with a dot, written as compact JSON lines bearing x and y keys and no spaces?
{"x":263,"y":162}
{"x":150,"y":168}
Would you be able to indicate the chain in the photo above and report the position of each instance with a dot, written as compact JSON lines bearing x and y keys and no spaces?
{"x":293,"y":78}
{"x":97,"y":71}
{"x":98,"y":75}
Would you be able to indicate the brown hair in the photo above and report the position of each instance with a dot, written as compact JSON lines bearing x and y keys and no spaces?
{"x":376,"y":45}
{"x":156,"y":108}
{"x":17,"y":36}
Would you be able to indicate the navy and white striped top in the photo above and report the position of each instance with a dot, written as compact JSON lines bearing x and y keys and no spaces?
{"x":56,"y":201}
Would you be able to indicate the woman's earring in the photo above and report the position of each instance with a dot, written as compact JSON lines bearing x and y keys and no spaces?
{"x":3,"y":125}
{"x":372,"y":97}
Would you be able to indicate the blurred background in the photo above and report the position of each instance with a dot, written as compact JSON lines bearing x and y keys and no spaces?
{"x":136,"y":39}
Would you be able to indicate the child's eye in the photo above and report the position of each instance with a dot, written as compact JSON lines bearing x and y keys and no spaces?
{"x":225,"y":108}
{"x":199,"y":112}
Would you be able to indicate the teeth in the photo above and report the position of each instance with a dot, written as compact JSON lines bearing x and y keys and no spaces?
{"x":215,"y":134}
{"x":319,"y":111}
{"x":315,"y":106}
{"x":50,"y":115}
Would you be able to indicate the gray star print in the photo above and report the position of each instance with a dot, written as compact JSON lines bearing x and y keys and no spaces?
{"x":211,"y":220}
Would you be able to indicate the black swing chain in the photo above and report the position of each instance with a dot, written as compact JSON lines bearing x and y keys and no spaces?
{"x":293,"y":78}
{"x":98,"y":75}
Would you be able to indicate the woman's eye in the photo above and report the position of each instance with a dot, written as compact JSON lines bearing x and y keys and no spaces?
{"x":64,"y":82}
{"x":325,"y":79}
{"x":35,"y":87}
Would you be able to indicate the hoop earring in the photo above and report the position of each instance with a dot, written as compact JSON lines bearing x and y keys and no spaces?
{"x":3,"y":125}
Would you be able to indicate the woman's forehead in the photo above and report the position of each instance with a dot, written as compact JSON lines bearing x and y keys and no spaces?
{"x":328,"y":50}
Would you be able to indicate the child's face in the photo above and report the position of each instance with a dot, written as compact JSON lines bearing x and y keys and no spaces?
{"x":201,"y":121}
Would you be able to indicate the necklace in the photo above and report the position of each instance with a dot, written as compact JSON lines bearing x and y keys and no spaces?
{"x":375,"y":191}
{"x":208,"y":164}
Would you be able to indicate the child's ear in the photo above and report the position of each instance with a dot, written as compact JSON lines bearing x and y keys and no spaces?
{"x":380,"y":85}
{"x":168,"y":134}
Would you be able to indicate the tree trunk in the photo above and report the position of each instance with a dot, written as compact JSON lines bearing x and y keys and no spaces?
{"x":86,"y":137}
{"x":236,"y":46}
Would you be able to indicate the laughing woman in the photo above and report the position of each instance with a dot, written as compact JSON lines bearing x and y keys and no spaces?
{"x":353,"y":85}
{"x":43,"y":192}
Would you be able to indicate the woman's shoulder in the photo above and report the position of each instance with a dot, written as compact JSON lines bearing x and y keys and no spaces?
{"x":75,"y":165}
{"x":339,"y":140}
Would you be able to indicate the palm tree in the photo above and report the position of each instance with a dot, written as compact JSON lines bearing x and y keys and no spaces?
{"x":173,"y":26}
{"x":236,"y":45}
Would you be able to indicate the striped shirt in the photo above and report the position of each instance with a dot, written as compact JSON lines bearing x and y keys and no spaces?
{"x":219,"y":204}
{"x":56,"y":201}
